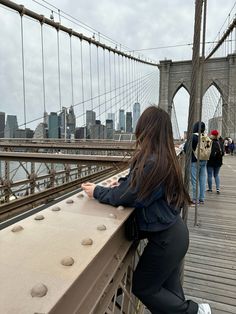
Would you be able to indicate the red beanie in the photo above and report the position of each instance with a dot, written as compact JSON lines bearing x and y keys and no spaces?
{"x":214,"y":132}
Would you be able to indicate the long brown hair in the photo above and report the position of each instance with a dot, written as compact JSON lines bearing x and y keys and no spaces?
{"x":154,"y":139}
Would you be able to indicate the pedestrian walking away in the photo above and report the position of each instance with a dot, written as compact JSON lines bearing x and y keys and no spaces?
{"x":199,"y":171}
{"x":215,"y":161}
{"x":154,"y":188}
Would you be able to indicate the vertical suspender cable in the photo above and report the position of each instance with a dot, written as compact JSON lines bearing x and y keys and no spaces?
{"x":71,"y":74}
{"x":82,"y":79}
{"x":58,"y":67}
{"x":90,"y":75}
{"x":235,"y":38}
{"x":110,"y":78}
{"x":123,"y":81}
{"x":105,"y":88}
{"x":23,"y":66}
{"x":130,"y":84}
{"x":193,"y":96}
{"x":115,"y":87}
{"x":43,"y":73}
{"x":119,"y":89}
{"x":99,"y":102}
{"x":126,"y":79}
{"x":201,"y":76}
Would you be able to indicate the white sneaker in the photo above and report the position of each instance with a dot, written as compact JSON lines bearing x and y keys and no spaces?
{"x":204,"y":308}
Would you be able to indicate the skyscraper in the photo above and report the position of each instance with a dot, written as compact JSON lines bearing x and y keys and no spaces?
{"x":129,"y":122}
{"x":122,"y":120}
{"x":136,"y":114}
{"x":53,"y":125}
{"x":2,"y":124}
{"x":62,"y":122}
{"x":109,"y":129}
{"x":90,"y":117}
{"x":40,"y":131}
{"x":112,"y":116}
{"x":71,"y":120}
{"x":11,"y":126}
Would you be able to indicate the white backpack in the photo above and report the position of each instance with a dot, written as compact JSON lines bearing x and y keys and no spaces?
{"x":205,"y":147}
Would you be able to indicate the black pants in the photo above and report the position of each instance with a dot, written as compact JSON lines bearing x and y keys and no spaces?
{"x":156,"y":280}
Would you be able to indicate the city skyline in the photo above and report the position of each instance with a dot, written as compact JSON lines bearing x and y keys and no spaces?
{"x":63,"y":124}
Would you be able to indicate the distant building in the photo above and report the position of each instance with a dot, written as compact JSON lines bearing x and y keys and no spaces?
{"x":90,"y":117}
{"x":40,"y":131}
{"x":109,"y":129}
{"x":112,"y":116}
{"x":62,"y":122}
{"x":45,"y":118}
{"x":136,"y":114}
{"x":71,"y":121}
{"x":2,"y":124}
{"x":121,"y":120}
{"x":11,"y":126}
{"x":53,"y":125}
{"x":96,"y":131}
{"x":24,"y":133}
{"x":215,"y":124}
{"x":128,"y":122}
{"x":80,"y":132}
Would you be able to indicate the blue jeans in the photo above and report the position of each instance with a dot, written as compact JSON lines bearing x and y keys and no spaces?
{"x":210,"y":172}
{"x":202,"y":179}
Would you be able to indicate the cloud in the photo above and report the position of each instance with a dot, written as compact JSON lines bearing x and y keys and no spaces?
{"x":136,"y":24}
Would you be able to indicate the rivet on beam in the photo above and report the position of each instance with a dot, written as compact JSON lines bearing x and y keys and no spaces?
{"x":70,"y":201}
{"x":67,"y":261}
{"x":112,"y":216}
{"x":101,"y":227}
{"x":39,"y":290}
{"x":87,"y":241}
{"x":56,"y":209}
{"x":17,"y":228}
{"x":81,"y":195}
{"x":39,"y":217}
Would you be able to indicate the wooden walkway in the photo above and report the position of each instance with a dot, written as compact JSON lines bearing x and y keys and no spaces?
{"x":210,"y":264}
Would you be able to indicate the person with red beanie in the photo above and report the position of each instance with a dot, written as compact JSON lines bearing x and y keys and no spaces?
{"x":215,"y":161}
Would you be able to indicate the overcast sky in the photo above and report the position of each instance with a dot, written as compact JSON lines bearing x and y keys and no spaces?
{"x":135,"y":24}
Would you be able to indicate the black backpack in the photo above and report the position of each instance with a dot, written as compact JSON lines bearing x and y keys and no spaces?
{"x":216,"y":150}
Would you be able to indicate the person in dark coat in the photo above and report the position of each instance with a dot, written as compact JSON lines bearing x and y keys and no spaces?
{"x":215,"y":161}
{"x":231,"y":147}
{"x":154,"y":187}
{"x":202,"y":167}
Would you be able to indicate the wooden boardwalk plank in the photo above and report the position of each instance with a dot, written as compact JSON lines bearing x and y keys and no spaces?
{"x":210,"y":264}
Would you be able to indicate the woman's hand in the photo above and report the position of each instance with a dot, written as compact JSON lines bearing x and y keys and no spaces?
{"x":113,"y":184}
{"x":88,"y":188}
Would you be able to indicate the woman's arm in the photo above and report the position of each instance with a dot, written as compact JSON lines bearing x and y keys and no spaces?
{"x":118,"y":195}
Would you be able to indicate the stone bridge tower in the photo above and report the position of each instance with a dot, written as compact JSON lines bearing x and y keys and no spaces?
{"x":220,"y":72}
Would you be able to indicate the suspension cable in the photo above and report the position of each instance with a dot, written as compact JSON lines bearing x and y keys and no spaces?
{"x":82,"y":80}
{"x":23,"y":66}
{"x":104,"y":64}
{"x":71,"y":73}
{"x":98,"y":77}
{"x":90,"y":75}
{"x":22,"y":10}
{"x":59,"y":68}
{"x":43,"y":69}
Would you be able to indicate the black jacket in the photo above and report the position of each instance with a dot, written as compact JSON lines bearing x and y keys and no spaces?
{"x":216,"y":159}
{"x":195,"y":139}
{"x":152,"y":213}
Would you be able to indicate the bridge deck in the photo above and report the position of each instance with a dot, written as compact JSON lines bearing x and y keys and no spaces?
{"x":210,"y":264}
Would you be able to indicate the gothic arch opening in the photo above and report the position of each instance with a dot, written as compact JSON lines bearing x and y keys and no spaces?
{"x":212,"y":109}
{"x":179,"y":113}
